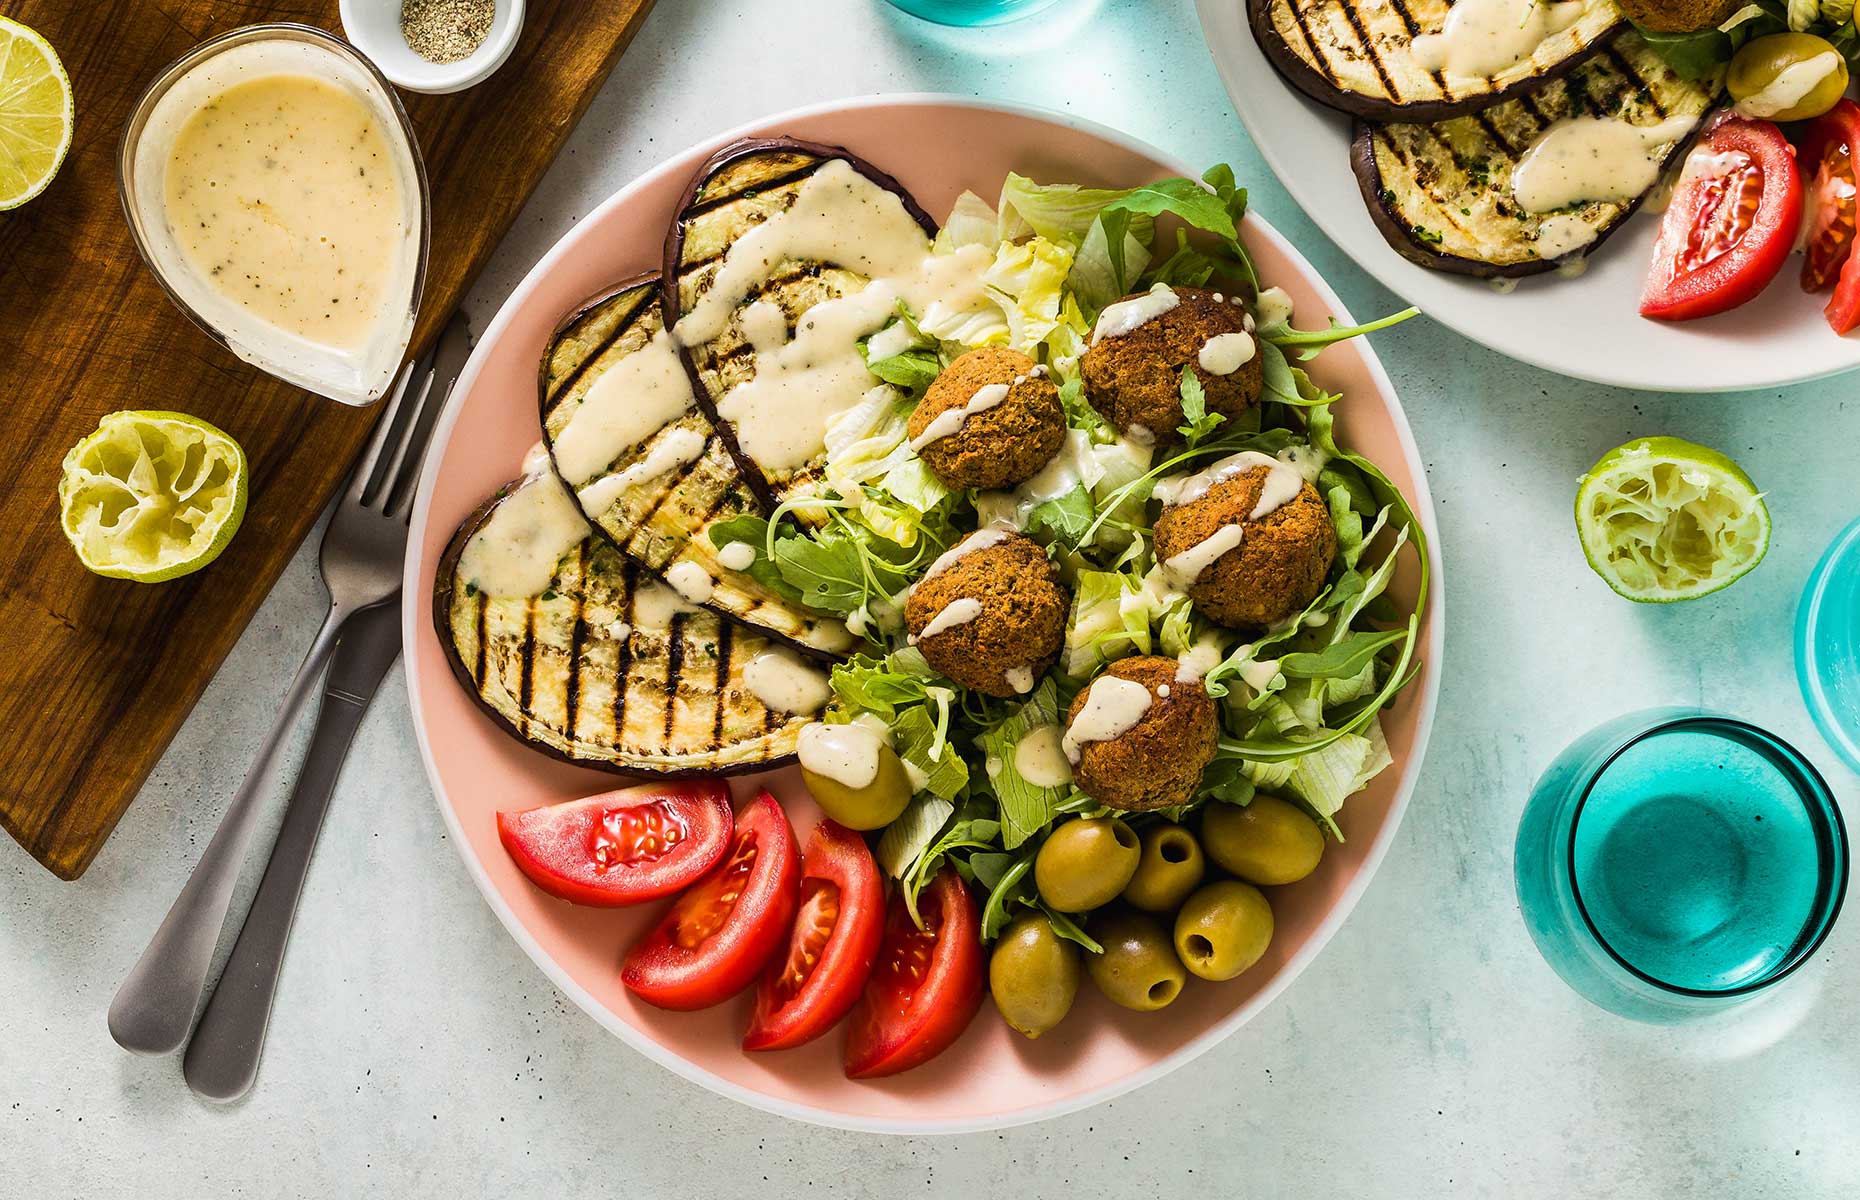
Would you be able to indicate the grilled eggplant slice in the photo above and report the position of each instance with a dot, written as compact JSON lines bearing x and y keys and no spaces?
{"x":1359,"y":56}
{"x":600,"y":664}
{"x":735,"y":193}
{"x":1442,"y":193}
{"x":646,"y":467}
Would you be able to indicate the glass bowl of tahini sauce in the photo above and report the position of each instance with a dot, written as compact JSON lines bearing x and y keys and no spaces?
{"x":274,"y":185}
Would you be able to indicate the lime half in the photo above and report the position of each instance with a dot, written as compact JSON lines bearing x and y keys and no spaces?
{"x":36,"y":114}
{"x":1663,"y":519}
{"x":152,"y":495}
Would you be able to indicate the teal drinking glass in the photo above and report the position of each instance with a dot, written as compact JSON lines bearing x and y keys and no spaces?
{"x":1827,"y":645}
{"x":971,"y":12}
{"x":1674,"y":862}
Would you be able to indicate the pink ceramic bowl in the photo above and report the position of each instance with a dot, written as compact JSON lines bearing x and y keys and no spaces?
{"x":937,"y":146}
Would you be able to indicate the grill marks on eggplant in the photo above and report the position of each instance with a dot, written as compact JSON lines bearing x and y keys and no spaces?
{"x":744,"y":185}
{"x":1441,"y":193}
{"x":666,"y":521}
{"x":591,"y":671}
{"x":1358,"y":55}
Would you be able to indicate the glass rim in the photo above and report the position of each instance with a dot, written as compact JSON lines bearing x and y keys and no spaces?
{"x":165,"y":78}
{"x":1817,"y":800}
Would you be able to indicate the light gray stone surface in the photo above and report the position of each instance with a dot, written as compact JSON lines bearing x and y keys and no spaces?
{"x":1428,"y":1051}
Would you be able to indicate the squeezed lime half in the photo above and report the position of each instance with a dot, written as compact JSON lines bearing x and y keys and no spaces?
{"x":152,"y":495}
{"x":36,"y":113}
{"x":1663,"y":519}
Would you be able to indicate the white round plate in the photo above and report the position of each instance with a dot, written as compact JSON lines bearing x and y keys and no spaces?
{"x":1588,"y":327}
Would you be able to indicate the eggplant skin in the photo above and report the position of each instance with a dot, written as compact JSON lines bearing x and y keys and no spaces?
{"x":741,"y":171}
{"x":1380,"y":34}
{"x":662,"y":522}
{"x":647,"y":703}
{"x":1440,"y":192}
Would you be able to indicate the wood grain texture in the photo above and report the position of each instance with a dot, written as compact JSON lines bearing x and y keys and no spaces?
{"x":96,"y":675}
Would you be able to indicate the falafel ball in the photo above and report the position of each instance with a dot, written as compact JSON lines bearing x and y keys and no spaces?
{"x":993,"y":617}
{"x":1134,"y":379}
{"x":1277,"y":569}
{"x":1678,"y":16}
{"x":994,"y":447}
{"x":1157,"y":762}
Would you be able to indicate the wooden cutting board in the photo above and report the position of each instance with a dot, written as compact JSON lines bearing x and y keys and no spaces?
{"x":97,"y":674}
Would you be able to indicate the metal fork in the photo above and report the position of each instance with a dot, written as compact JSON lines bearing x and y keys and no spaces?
{"x":361,"y":562}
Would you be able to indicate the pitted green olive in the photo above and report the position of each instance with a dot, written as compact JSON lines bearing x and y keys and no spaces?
{"x":873,"y":806}
{"x":1138,"y":968}
{"x":1033,"y":975}
{"x":1169,"y":867}
{"x":1266,"y":842}
{"x":1223,"y":929}
{"x":1085,"y":863}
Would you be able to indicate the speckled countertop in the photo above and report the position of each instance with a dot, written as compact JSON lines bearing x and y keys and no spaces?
{"x":1427,"y":1052}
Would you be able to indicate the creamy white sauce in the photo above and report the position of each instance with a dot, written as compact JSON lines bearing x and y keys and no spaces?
{"x":1020,"y":679}
{"x":764,"y":325}
{"x":951,"y":420}
{"x":1040,"y":759}
{"x":1162,"y":690}
{"x":981,"y":539}
{"x":1285,"y":476}
{"x":679,"y":448}
{"x":737,"y":556}
{"x":1124,"y":316}
{"x":536,"y":459}
{"x":1183,"y":569}
{"x":515,"y":552}
{"x":1260,"y":674}
{"x":846,"y":754}
{"x":1562,"y":234}
{"x":784,"y":683}
{"x":1483,"y":37}
{"x":1196,"y":661}
{"x":1791,"y":84}
{"x":1225,"y":353}
{"x":1113,"y":707}
{"x":1581,"y":159}
{"x":1274,"y":306}
{"x":630,"y":401}
{"x":618,"y":630}
{"x":959,"y":611}
{"x":893,"y":339}
{"x":654,"y":606}
{"x":838,"y":216}
{"x":691,"y":581}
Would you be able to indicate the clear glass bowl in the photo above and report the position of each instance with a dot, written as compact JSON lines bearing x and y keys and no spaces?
{"x":1827,"y":645}
{"x":1675,"y":862}
{"x":353,"y":376}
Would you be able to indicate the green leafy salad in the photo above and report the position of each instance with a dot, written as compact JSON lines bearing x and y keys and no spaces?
{"x":1298,"y":700}
{"x":1702,"y":53}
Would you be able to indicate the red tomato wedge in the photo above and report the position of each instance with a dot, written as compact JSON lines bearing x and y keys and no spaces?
{"x":717,"y":936}
{"x":926,"y":986}
{"x":1730,"y":226}
{"x":624,"y":847}
{"x":831,"y":948}
{"x":1828,"y":152}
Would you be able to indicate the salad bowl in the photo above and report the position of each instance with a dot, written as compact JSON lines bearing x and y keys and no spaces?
{"x":937,"y":147}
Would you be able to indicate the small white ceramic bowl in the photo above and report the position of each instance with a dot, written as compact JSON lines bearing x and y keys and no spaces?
{"x":373,"y":27}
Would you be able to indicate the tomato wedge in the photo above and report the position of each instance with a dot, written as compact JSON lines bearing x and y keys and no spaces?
{"x":831,"y":948}
{"x":622,"y":847}
{"x":1828,"y":151}
{"x":1730,"y":226}
{"x":715,"y":938}
{"x":926,"y":986}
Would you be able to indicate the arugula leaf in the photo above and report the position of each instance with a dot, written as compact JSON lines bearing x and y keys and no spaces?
{"x":1312,"y":341}
{"x":753,"y":531}
{"x":1013,"y":886}
{"x":1198,"y":422}
{"x":826,"y":571}
{"x":1195,"y":202}
{"x":1064,"y":518}
{"x":1340,"y":660}
{"x":1067,"y":928}
{"x":881,"y":686}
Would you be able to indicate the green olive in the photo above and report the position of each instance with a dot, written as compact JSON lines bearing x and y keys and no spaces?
{"x":873,"y":806}
{"x":1085,"y":863}
{"x":1033,"y":975}
{"x":1266,"y":842}
{"x":1804,"y":94}
{"x":1138,"y":968}
{"x":1169,"y":867}
{"x":1223,"y":929}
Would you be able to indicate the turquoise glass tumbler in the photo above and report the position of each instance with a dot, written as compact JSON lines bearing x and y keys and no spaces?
{"x":1827,"y":645}
{"x":971,"y":12}
{"x":1675,"y":862}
